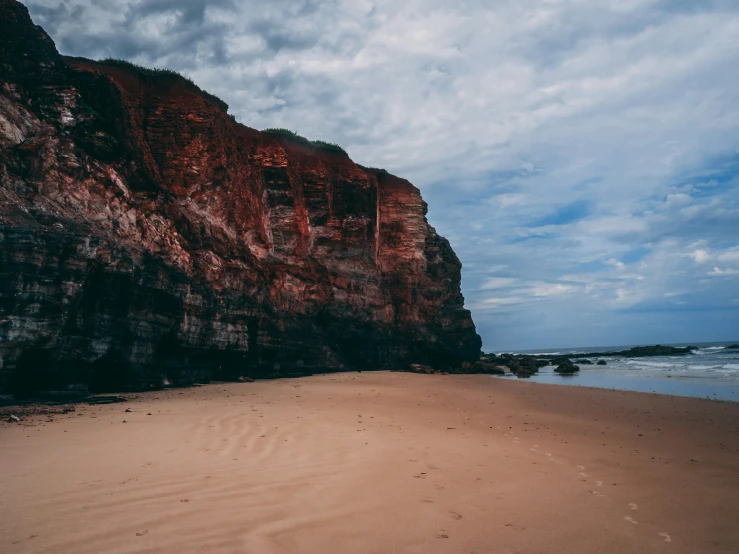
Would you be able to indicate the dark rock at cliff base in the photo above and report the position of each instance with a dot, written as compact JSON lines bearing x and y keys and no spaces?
{"x":601,"y":362}
{"x":420,"y":368}
{"x":487,"y":368}
{"x":105,"y":399}
{"x":521,"y":366}
{"x":148,"y":239}
{"x":583,"y":361}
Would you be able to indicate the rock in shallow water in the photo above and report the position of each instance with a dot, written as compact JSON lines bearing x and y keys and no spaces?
{"x":567,"y":368}
{"x":149,"y":240}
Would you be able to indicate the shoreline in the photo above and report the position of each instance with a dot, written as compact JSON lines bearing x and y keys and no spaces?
{"x":375,"y":462}
{"x":534,"y":381}
{"x":34,"y":405}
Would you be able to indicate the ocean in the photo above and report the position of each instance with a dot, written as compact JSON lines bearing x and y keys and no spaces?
{"x":712,"y":371}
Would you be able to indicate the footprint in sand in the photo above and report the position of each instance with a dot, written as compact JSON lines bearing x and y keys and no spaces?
{"x":427,"y":500}
{"x":597,"y":493}
{"x":515,"y":527}
{"x":631,"y":520}
{"x":583,"y":474}
{"x":599,"y":483}
{"x":665,"y":536}
{"x":455,"y":515}
{"x":439,"y":487}
{"x":580,"y":467}
{"x":633,"y":506}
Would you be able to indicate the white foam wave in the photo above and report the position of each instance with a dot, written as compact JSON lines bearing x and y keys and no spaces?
{"x":649,"y":364}
{"x":731,"y":366}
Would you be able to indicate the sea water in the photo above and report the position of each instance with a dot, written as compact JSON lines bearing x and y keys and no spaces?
{"x":712,"y":371}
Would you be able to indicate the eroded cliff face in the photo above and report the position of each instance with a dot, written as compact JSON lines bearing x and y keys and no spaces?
{"x":146,"y":238}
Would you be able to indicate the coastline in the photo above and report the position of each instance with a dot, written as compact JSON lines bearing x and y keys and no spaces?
{"x":704,"y":370}
{"x":375,"y":462}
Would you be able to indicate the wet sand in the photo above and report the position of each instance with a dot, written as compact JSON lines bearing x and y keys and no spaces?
{"x":375,"y":462}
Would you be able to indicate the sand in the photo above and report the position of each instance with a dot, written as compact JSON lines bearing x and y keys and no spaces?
{"x":375,"y":462}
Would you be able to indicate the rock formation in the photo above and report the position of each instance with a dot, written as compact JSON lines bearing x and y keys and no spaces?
{"x":566,"y":367}
{"x":147,"y":238}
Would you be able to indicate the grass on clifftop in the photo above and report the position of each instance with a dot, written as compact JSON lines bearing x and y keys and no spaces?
{"x":153,"y":72}
{"x":290,"y":136}
{"x":159,"y":73}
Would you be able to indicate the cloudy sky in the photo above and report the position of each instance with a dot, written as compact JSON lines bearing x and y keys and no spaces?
{"x":582,"y":156}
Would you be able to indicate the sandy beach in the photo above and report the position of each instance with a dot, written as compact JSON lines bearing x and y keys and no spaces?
{"x":375,"y":463}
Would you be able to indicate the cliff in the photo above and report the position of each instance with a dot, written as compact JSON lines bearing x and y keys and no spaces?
{"x":147,"y":238}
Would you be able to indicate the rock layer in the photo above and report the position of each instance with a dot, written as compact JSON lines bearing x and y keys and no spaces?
{"x":147,"y":238}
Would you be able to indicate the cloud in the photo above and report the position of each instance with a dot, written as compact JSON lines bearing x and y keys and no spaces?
{"x":552,"y":289}
{"x":582,"y":157}
{"x":718,"y":272}
{"x":729,"y":256}
{"x":700,"y":256}
{"x":615,"y":263}
{"x":497,"y":283}
{"x":677,"y":199}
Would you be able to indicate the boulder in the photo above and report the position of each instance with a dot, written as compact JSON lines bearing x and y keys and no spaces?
{"x":487,"y":368}
{"x":524,"y":366}
{"x":601,"y":362}
{"x":567,"y":368}
{"x":420,"y":368}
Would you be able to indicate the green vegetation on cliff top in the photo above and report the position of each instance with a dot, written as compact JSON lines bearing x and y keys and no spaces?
{"x":290,"y":136}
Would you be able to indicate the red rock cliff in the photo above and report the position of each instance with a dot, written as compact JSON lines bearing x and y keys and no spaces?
{"x":148,"y":238}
